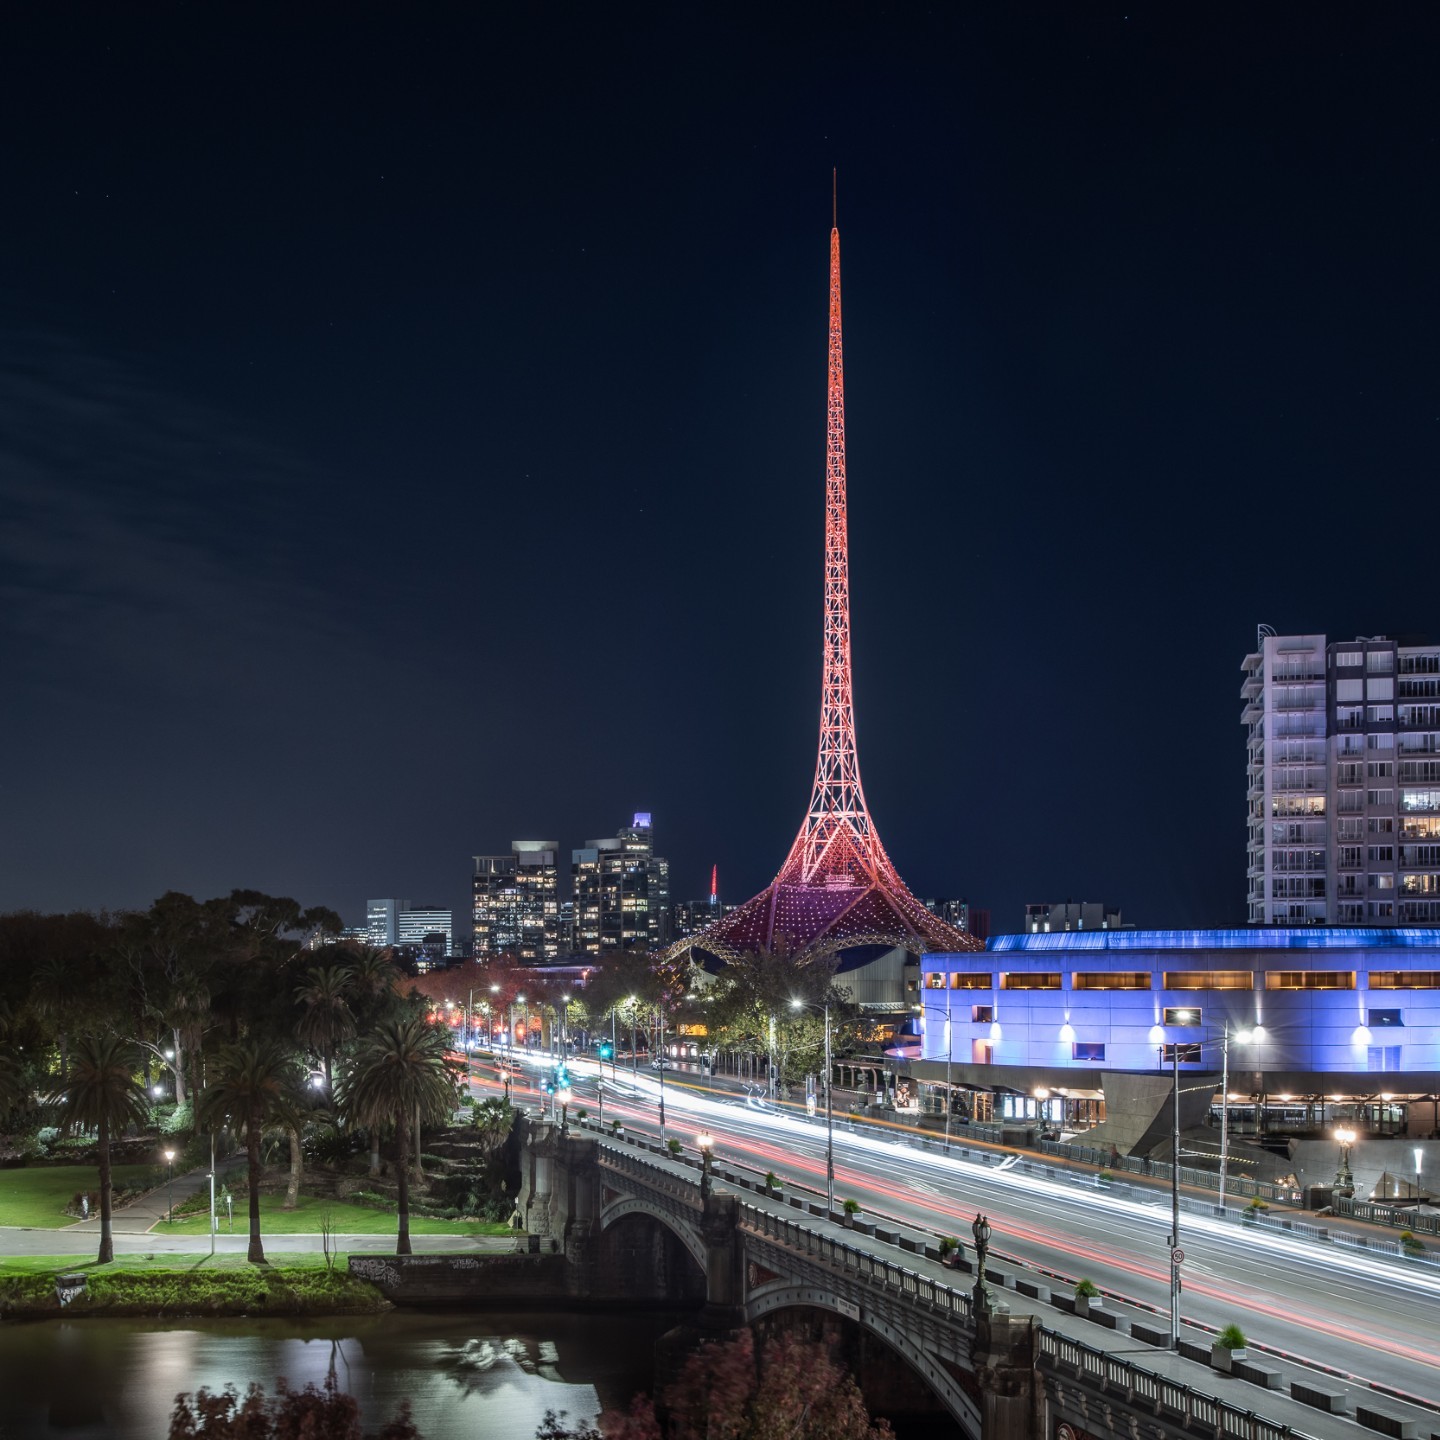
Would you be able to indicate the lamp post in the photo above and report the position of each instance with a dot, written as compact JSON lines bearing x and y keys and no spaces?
{"x":980,"y":1229}
{"x":1344,"y":1178}
{"x":1174,"y":1193}
{"x":949,"y":1054}
{"x":170,"y":1186}
{"x":470,"y":1042}
{"x":1245,"y":1037}
{"x":705,"y":1142}
{"x":829,"y":1113}
{"x":660,"y":1056}
{"x":631,"y":1002}
{"x":614,"y":1056}
{"x":1419,"y":1156}
{"x":770,"y":1064}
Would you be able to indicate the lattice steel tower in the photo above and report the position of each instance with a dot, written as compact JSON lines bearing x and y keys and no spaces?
{"x":837,"y":887}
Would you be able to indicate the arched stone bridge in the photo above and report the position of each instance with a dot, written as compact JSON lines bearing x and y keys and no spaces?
{"x":640,"y":1225}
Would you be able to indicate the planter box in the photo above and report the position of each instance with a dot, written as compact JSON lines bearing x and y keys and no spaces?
{"x":1224,"y":1360}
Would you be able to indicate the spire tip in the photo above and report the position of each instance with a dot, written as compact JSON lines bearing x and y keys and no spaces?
{"x":834,"y":198}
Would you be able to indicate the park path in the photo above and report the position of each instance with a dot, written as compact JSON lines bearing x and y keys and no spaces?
{"x":141,"y":1215}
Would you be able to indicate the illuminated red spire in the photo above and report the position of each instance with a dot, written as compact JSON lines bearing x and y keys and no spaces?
{"x":714,"y":885}
{"x":837,"y":887}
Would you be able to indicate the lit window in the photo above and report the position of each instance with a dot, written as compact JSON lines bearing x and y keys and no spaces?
{"x":1087,"y":1050}
{"x":1111,"y":980}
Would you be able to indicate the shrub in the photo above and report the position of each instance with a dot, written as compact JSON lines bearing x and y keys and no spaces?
{"x":179,"y":1119}
{"x":1232,"y":1337}
{"x":46,"y":1136}
{"x":673,"y":1145}
{"x":615,"y":1127}
{"x":1256,"y":1207}
{"x":1086,"y":1290}
{"x":772,"y":1181}
{"x":851,"y":1207}
{"x":948,"y":1246}
{"x":1105,"y":1177}
{"x":1412,"y":1243}
{"x":582,"y":1113}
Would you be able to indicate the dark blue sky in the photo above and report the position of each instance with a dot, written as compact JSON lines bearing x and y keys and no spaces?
{"x":412,"y":431}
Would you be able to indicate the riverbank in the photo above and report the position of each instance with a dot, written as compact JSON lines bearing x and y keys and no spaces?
{"x":175,"y":1287}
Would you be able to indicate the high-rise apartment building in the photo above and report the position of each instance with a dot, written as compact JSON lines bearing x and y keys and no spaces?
{"x":397,"y":922}
{"x":517,"y":902}
{"x":1343,"y":760}
{"x":382,"y":921}
{"x":962,"y":915}
{"x":622,"y":891}
{"x":1064,"y":916}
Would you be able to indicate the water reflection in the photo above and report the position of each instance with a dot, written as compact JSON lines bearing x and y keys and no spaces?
{"x":464,"y":1375}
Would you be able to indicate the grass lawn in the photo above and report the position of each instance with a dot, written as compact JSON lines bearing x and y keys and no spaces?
{"x":308,"y":1215}
{"x":49,"y":1266}
{"x":37,"y":1195}
{"x":161,"y":1285}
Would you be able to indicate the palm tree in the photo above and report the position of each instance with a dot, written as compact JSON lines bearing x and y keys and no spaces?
{"x":255,"y":1083}
{"x":327,"y":1018}
{"x":402,"y":1073}
{"x":101,"y":1093}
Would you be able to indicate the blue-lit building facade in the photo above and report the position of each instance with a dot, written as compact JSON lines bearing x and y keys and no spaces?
{"x":1074,"y":1027}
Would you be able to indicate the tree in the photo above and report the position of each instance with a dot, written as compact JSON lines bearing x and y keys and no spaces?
{"x":308,"y":1414}
{"x":402,"y":1070}
{"x":256,"y":1083}
{"x":101,"y":1093}
{"x":327,"y":1019}
{"x":796,"y":1392}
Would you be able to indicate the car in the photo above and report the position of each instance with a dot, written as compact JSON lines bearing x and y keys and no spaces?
{"x":661,"y":1063}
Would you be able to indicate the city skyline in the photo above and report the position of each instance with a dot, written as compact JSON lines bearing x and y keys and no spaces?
{"x":398,"y":462}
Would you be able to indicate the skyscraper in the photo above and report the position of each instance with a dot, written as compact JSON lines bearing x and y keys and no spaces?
{"x":622,"y":891}
{"x":517,"y":901}
{"x":1343,"y":795}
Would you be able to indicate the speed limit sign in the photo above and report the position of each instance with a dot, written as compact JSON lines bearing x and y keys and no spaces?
{"x":1177,"y":1255}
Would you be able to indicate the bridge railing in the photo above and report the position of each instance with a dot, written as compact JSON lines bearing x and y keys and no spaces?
{"x":864,"y":1264}
{"x":1101,"y":1370}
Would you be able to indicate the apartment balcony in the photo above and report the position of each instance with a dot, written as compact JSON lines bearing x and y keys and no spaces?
{"x":1253,"y":685}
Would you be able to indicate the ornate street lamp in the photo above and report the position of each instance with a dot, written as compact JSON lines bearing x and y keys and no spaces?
{"x":980,"y":1229}
{"x":1344,"y":1178}
{"x":705,"y":1143}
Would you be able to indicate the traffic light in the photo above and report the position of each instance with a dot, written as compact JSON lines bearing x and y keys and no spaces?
{"x":562,"y":1078}
{"x":606,"y":1050}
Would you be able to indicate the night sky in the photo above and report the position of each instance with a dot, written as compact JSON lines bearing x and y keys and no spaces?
{"x":412,"y":431}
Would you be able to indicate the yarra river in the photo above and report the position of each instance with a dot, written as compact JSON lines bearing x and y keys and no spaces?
{"x":482,"y":1376}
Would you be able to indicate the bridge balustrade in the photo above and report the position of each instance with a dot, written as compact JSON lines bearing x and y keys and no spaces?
{"x":1104,"y":1371}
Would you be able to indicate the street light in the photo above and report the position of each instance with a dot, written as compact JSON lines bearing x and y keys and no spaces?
{"x":1245,"y":1037}
{"x":1419,"y":1156}
{"x":170,"y":1186}
{"x":705,"y":1143}
{"x":660,"y":1011}
{"x":829,"y":1113}
{"x":1344,"y":1178}
{"x":949,"y":1058}
{"x":980,"y":1229}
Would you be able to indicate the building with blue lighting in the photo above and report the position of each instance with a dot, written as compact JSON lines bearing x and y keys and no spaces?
{"x":1320,"y":1024}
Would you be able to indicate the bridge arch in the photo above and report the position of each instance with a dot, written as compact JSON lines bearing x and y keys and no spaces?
{"x":639,"y":1205}
{"x":907,"y":1344}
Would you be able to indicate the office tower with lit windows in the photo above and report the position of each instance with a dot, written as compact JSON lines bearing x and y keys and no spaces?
{"x":622,"y":891}
{"x":1343,"y":755}
{"x":517,"y":901}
